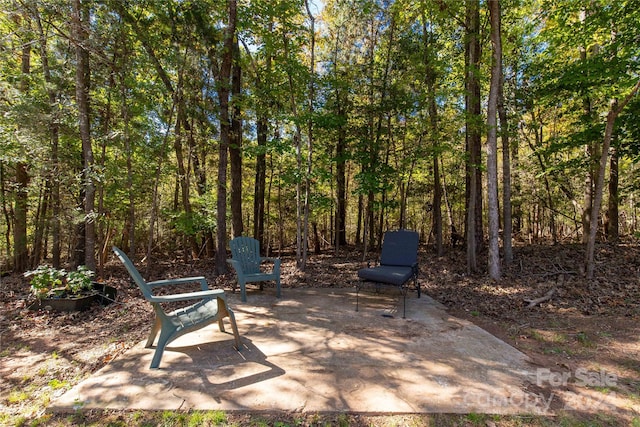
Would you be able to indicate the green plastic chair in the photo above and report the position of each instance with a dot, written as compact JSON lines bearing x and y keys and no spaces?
{"x":248,"y":264}
{"x":211,"y":307}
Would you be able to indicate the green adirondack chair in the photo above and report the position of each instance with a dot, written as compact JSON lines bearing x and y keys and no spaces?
{"x":211,"y":306}
{"x":250,"y":266}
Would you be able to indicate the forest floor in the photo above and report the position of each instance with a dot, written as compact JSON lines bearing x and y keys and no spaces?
{"x":585,"y":339}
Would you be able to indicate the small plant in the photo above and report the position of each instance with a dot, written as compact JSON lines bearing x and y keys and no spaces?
{"x":79,"y":280}
{"x":44,"y":279}
{"x":47,"y":281}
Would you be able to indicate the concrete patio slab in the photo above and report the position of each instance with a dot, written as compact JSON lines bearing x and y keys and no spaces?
{"x":311,"y":351}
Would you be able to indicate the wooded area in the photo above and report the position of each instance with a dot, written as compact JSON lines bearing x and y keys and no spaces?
{"x":166,"y":126}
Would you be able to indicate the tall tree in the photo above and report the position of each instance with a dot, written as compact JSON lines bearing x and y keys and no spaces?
{"x":472,"y":133}
{"x":614,"y":111}
{"x":492,"y":140}
{"x":223,"y":87}
{"x":235,"y":147}
{"x":22,"y":178}
{"x":80,"y":25}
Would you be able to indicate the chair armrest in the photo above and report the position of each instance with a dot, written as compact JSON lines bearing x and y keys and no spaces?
{"x":270,"y":259}
{"x":180,"y":281}
{"x":211,"y":293}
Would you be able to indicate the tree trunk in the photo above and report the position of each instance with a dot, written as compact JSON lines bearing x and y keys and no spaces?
{"x":54,"y":138}
{"x":340,"y":238}
{"x":20,"y":211}
{"x":80,"y":21}
{"x":262,"y":128}
{"x":473,"y":136}
{"x":614,"y":111}
{"x":430,"y":78}
{"x":235,"y":148}
{"x":21,"y":189}
{"x":612,"y":212}
{"x":492,"y":141}
{"x":223,"y":87}
{"x":507,"y":229}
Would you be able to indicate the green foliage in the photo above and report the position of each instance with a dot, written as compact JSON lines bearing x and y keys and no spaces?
{"x":46,"y":280}
{"x":79,"y":280}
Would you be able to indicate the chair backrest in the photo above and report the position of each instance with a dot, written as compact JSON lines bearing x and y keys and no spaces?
{"x":246,"y":250}
{"x":399,"y":248}
{"x":133,"y":272}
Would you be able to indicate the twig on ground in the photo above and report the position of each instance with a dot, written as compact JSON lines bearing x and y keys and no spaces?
{"x":545,"y":297}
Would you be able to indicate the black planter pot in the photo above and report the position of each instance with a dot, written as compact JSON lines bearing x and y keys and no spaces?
{"x":102,"y":294}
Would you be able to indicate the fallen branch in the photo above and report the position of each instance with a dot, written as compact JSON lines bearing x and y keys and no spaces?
{"x":546,"y":297}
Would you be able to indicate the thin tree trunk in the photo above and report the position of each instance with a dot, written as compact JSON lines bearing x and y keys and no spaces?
{"x":507,"y":229}
{"x":128,"y":147}
{"x":155,"y":199}
{"x":260,"y":181}
{"x":492,"y":142}
{"x":310,"y":142}
{"x":614,"y":111}
{"x":20,"y":211}
{"x":40,"y":221}
{"x":80,"y":21}
{"x":590,"y":153}
{"x":54,"y":137}
{"x":21,"y":188}
{"x":5,"y":210}
{"x":224,"y":82}
{"x":340,"y":237}
{"x":235,"y":148}
{"x":473,"y":136}
{"x":430,"y":78}
{"x":614,"y":199}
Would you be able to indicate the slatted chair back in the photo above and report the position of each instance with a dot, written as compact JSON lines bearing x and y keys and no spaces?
{"x":134,"y":273}
{"x":250,"y":266}
{"x":246,"y":250}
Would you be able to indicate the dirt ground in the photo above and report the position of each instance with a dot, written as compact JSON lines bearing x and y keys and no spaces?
{"x":584,"y":338}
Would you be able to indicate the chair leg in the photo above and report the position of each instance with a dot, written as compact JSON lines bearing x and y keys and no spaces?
{"x":154,"y":331}
{"x":243,"y":292}
{"x":162,"y":342}
{"x":278,"y":288}
{"x":234,"y":328}
{"x":224,"y":311}
{"x":404,"y":305}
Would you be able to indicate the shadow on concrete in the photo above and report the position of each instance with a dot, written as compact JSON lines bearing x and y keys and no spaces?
{"x":311,"y":351}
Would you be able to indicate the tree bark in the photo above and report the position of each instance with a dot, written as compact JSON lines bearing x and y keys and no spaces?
{"x":492,"y":141}
{"x":507,"y":220}
{"x":54,"y":138}
{"x":614,"y":111}
{"x":223,"y":88}
{"x":430,"y":77}
{"x":262,"y":128}
{"x":20,"y":211}
{"x":21,"y":191}
{"x":80,"y":20}
{"x":614,"y":198}
{"x":235,"y":148}
{"x":473,"y":137}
